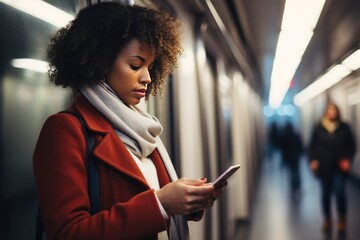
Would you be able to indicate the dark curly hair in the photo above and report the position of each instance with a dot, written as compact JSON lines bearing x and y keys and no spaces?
{"x":84,"y":51}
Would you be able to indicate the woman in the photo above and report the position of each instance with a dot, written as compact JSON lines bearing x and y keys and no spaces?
{"x":332,"y":148}
{"x":112,"y":56}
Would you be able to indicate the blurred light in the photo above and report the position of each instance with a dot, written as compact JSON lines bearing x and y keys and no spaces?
{"x":30,"y":64}
{"x":268,"y":111}
{"x":42,"y":10}
{"x":297,"y":27}
{"x":301,"y":13}
{"x":216,"y":16}
{"x":289,"y":110}
{"x":330,"y":78}
{"x":280,"y":110}
{"x":353,"y":61}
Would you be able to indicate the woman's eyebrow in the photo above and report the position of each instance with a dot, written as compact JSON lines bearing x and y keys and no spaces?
{"x":141,"y":58}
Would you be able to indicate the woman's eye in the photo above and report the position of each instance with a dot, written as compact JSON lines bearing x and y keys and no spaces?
{"x":133,"y":67}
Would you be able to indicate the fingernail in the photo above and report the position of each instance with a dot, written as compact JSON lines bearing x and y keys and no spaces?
{"x":204,"y":178}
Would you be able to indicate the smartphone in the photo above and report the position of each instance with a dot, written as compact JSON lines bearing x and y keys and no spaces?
{"x":225,"y":175}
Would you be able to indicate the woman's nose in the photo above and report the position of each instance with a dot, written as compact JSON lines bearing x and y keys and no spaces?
{"x":145,"y":77}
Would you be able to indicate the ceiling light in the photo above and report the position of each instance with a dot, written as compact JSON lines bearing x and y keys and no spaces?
{"x":301,"y":13}
{"x":30,"y":64}
{"x":42,"y":10}
{"x":330,"y":78}
{"x":353,"y":61}
{"x":297,"y":27}
{"x":268,"y":111}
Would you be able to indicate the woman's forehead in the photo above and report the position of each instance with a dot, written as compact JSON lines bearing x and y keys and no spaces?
{"x":137,"y":48}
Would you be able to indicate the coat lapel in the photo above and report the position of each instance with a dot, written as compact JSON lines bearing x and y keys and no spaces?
{"x":162,"y":173}
{"x":110,"y":149}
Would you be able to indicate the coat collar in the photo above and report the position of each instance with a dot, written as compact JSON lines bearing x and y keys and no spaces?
{"x":110,"y":149}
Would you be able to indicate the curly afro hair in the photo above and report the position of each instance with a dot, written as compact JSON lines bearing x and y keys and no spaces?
{"x":82,"y":52}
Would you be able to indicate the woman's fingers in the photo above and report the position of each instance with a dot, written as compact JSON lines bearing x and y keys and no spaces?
{"x":207,"y":204}
{"x":186,"y":196}
{"x":193,"y":181}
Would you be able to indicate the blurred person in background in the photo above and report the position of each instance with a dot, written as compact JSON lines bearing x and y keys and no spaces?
{"x":112,"y":56}
{"x":273,"y":139}
{"x":291,"y":147}
{"x":332,"y":149}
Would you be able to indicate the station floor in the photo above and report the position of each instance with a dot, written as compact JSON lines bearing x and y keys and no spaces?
{"x":279,"y":215}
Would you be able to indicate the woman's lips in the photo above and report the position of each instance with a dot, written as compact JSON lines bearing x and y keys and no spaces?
{"x":140,"y":92}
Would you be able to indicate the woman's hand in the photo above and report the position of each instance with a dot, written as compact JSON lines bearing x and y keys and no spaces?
{"x":186,"y":196}
{"x":344,"y":165}
{"x":314,"y":165}
{"x":218,"y":191}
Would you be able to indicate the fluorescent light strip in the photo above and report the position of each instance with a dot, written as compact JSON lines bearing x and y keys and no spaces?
{"x":301,"y":14}
{"x":329,"y":79}
{"x":42,"y":10}
{"x":30,"y":64}
{"x":299,"y":20}
{"x":216,"y":16}
{"x":353,"y":61}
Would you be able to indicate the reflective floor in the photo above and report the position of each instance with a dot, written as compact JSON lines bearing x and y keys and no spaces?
{"x":280,"y":215}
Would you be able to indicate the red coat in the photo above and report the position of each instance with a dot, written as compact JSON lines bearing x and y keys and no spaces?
{"x":129,"y":209}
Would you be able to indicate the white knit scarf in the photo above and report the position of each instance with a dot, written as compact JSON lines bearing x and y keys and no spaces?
{"x":137,"y":129}
{"x":140,"y":133}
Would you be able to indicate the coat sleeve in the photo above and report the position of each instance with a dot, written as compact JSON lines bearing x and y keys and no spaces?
{"x":312,"y":146}
{"x":350,"y":144}
{"x":60,"y":174}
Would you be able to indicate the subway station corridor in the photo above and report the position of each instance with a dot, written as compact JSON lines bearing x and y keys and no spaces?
{"x":280,"y":216}
{"x":242,"y":66}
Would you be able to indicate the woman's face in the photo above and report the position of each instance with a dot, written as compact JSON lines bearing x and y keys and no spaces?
{"x":130,"y":74}
{"x":331,"y":113}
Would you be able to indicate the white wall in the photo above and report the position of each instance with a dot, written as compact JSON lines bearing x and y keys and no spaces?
{"x":187,"y":106}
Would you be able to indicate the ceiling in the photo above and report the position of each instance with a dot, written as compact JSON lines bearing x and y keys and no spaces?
{"x":254,"y":26}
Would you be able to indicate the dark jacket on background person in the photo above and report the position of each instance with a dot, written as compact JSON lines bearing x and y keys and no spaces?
{"x":291,"y":145}
{"x":329,"y":148}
